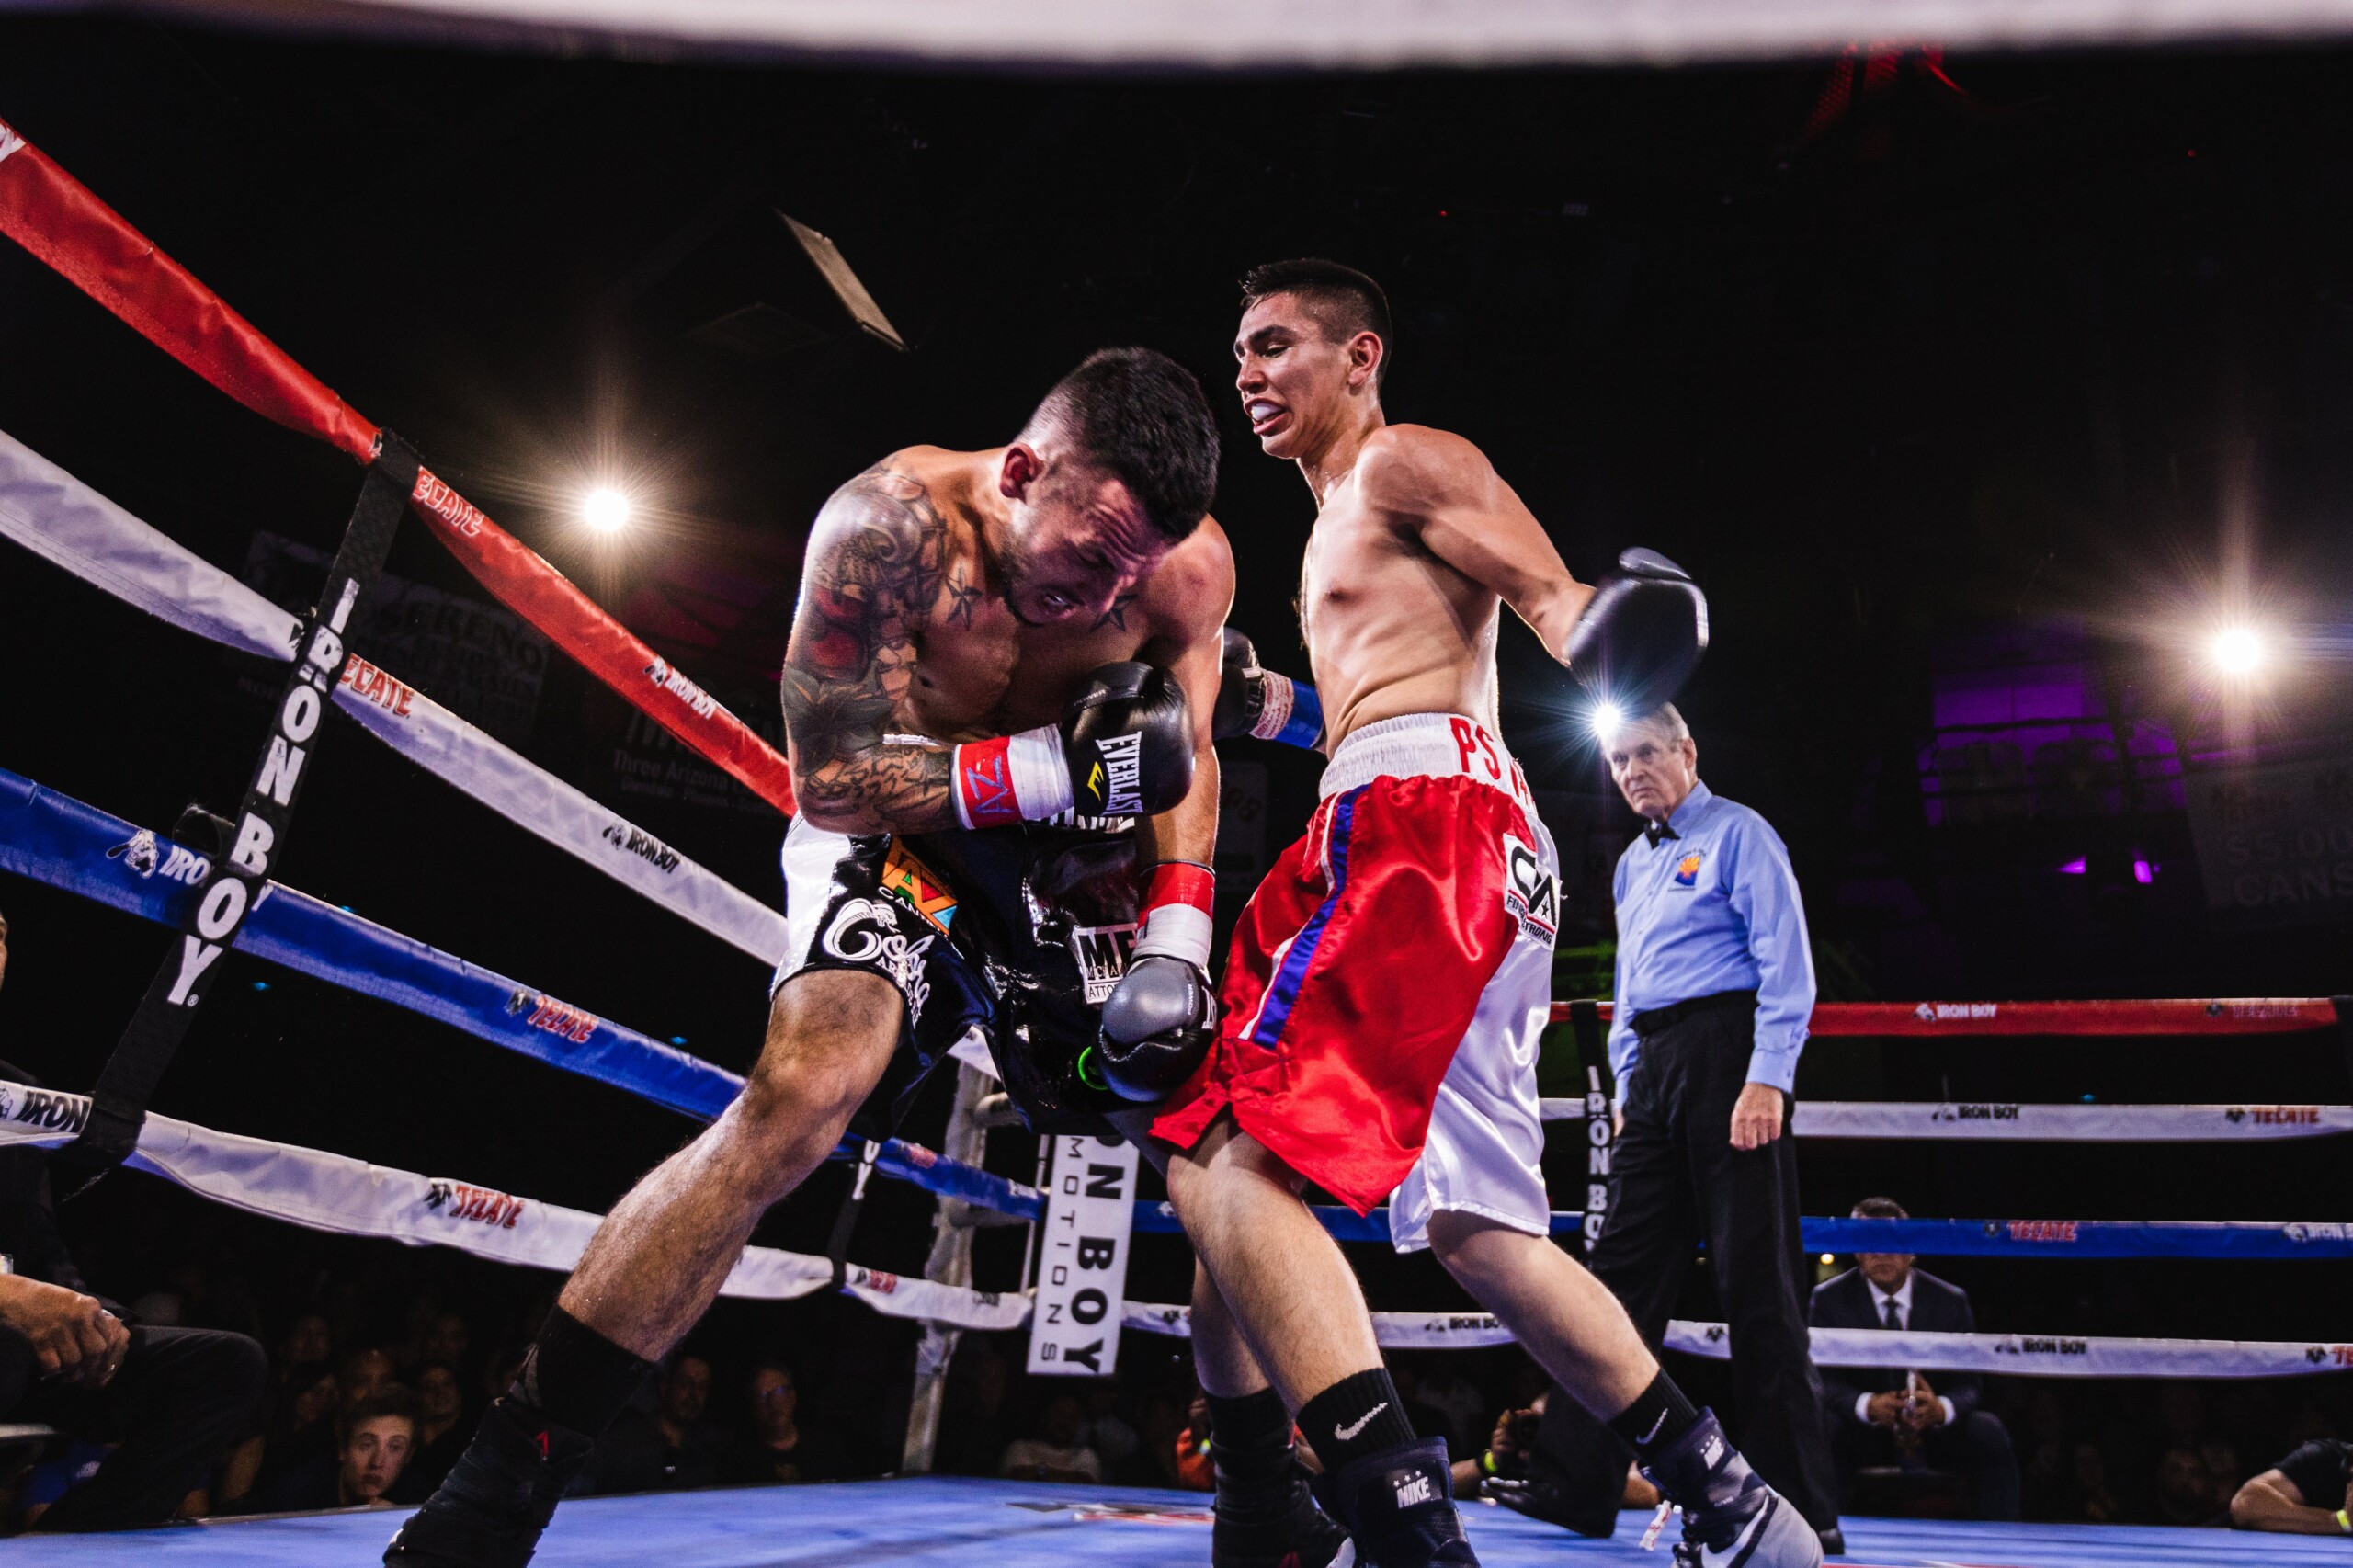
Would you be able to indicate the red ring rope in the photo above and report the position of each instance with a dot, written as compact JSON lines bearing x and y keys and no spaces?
{"x":2185,"y":1015}
{"x":53,"y":215}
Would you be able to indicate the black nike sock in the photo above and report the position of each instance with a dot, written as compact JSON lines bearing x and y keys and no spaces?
{"x":577,"y":1378}
{"x":1360,"y":1414}
{"x":1659,"y":1415}
{"x":1250,"y":1444}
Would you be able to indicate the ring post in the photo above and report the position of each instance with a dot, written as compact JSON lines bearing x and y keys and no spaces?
{"x":950,"y":1263}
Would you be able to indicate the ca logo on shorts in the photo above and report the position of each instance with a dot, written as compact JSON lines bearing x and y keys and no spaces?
{"x":1532,"y":894}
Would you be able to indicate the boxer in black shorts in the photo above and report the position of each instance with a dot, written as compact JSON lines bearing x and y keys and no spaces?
{"x":998,"y":698}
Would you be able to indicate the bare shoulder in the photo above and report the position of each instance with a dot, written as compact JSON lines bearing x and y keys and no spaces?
{"x":1189,"y":592}
{"x":1413,"y":468}
{"x":880,"y":541}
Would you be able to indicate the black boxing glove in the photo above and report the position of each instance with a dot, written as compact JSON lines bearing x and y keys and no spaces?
{"x":1161,"y":1017}
{"x":1123,"y":749}
{"x":1642,"y":636}
{"x":1255,"y":701}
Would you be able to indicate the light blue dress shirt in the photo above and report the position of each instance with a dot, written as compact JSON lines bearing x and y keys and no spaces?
{"x":1714,"y":908}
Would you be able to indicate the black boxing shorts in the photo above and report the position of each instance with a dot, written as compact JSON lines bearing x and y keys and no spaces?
{"x":1009,"y":936}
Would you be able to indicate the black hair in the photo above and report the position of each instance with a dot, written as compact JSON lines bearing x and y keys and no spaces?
{"x":1141,"y":416}
{"x":1880,"y":1209}
{"x":393,"y":1399}
{"x":1342,"y":301}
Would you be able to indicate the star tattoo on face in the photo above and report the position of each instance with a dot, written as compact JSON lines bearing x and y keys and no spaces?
{"x":1116,"y":615}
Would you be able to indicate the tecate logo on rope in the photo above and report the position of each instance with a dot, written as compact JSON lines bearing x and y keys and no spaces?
{"x":2039,"y":1230}
{"x":9,"y":142}
{"x":364,"y":680}
{"x":574,"y":1023}
{"x":447,"y":504}
{"x":481,"y":1204}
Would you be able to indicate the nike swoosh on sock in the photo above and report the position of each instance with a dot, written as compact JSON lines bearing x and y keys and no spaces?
{"x":1348,"y":1434}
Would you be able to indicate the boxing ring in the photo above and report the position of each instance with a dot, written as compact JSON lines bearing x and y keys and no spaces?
{"x":192,"y":885}
{"x":941,"y":1522}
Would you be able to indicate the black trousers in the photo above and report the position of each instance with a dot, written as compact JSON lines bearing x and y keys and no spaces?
{"x":1977,"y":1445}
{"x":181,"y":1396}
{"x":1676,"y":1180}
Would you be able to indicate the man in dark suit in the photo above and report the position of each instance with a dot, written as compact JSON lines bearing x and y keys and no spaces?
{"x":1877,"y":1414}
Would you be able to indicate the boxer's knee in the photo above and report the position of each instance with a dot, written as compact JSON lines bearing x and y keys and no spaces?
{"x":829,"y":1036}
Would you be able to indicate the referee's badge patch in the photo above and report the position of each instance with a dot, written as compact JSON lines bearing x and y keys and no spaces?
{"x":1686,"y":871}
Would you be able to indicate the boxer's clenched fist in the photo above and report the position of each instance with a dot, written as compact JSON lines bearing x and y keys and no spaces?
{"x":1157,"y":1025}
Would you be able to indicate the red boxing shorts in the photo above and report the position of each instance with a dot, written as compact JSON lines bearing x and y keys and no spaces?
{"x":1387,"y":984}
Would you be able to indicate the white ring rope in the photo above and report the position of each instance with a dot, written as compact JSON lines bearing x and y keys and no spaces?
{"x":66,"y":522}
{"x":2018,"y":1354}
{"x":348,"y":1197}
{"x":2018,"y":1122}
{"x":332,"y":1192}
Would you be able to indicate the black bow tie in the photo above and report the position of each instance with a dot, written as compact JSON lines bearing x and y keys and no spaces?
{"x":1658,"y":833}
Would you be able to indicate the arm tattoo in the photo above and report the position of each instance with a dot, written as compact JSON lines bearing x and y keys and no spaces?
{"x":872,"y":572}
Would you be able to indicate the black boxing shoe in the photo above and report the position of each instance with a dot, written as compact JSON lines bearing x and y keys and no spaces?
{"x":1293,"y":1533}
{"x":1397,"y":1506}
{"x":489,"y":1510}
{"x":1731,"y":1518}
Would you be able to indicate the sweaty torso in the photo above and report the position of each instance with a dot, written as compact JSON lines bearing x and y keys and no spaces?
{"x":1391,"y":628}
{"x":980,"y":671}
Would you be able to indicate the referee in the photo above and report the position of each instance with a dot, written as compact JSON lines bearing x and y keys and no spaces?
{"x":1714,"y":987}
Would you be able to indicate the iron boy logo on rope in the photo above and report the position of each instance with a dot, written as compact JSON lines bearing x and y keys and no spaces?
{"x":644,"y":846}
{"x":144,"y":853}
{"x":666,"y":676}
{"x":1974,"y":1113}
{"x":43,"y":1108}
{"x":9,"y":142}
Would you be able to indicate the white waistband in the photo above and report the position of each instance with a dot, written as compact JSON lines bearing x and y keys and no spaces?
{"x":1424,"y":745}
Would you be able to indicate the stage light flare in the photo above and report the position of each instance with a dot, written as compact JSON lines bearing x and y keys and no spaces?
{"x":1607,"y":718}
{"x":606,"y":510}
{"x":2238,"y":650}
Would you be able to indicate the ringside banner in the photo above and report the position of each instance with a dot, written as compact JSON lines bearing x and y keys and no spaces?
{"x":1082,"y":1259}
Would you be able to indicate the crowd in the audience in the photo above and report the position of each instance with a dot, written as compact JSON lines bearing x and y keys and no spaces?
{"x":354,"y":1416}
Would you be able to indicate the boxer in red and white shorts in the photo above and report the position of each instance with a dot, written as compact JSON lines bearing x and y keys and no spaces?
{"x":1387,"y":986}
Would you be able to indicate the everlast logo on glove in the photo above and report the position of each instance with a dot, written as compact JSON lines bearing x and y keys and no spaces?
{"x":1123,"y":758}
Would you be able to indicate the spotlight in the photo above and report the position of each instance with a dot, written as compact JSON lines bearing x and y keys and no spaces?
{"x":1607,"y":717}
{"x":2237,"y":650}
{"x":605,"y":509}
